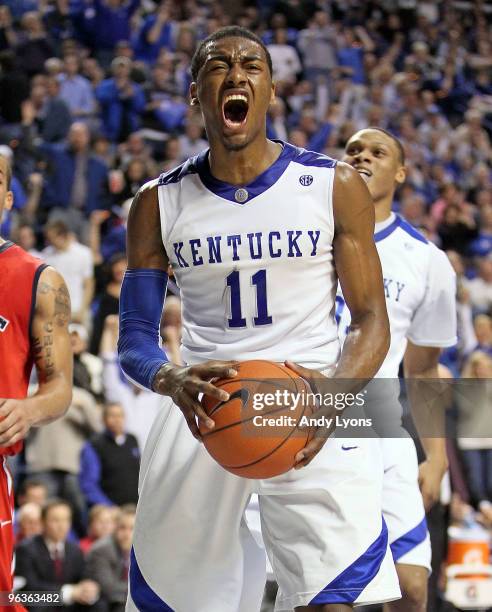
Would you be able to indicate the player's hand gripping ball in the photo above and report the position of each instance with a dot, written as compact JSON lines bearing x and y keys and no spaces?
{"x":257,"y":430}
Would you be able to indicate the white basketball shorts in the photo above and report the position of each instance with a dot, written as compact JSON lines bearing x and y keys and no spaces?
{"x":322,"y":527}
{"x":403,"y":507}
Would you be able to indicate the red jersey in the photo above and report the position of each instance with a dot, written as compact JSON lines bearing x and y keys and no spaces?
{"x":19,"y":274}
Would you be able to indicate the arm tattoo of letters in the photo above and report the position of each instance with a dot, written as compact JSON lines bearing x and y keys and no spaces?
{"x":62,"y":302}
{"x":42,"y":347}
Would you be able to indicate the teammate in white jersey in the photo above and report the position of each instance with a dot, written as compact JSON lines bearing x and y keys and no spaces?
{"x":257,"y":233}
{"x":419,"y":285}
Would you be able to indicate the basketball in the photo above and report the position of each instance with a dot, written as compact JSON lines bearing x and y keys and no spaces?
{"x":256,"y":432}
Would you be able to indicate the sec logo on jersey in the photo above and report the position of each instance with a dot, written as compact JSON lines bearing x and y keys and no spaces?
{"x":3,"y":323}
{"x":306,"y":180}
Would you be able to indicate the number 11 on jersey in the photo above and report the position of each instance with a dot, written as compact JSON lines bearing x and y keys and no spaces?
{"x":259,"y":281}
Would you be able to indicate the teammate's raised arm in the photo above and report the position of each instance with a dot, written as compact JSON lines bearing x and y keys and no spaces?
{"x":359,"y":271}
{"x":141,"y":303}
{"x":52,"y":355}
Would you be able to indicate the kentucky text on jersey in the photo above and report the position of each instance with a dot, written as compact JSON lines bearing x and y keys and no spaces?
{"x":242,"y":255}
{"x":257,"y":245}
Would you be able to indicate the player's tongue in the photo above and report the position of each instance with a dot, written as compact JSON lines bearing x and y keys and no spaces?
{"x":235,"y":110}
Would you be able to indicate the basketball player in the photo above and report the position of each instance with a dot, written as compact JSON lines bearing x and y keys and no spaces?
{"x":34,"y":317}
{"x":257,"y":232}
{"x":420,"y":294}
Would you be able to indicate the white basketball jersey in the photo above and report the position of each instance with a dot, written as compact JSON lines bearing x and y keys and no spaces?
{"x":254,"y":263}
{"x":420,"y":289}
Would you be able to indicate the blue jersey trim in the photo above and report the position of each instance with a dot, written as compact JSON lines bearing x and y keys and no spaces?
{"x":311,"y":158}
{"x":384,"y":233}
{"x":409,"y":229}
{"x":144,"y":597}
{"x":348,"y":585}
{"x":405,"y":226}
{"x":177,"y":174}
{"x":260,"y":184}
{"x":409,"y":540}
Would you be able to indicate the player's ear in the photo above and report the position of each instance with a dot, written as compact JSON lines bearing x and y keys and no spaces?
{"x":272,"y":95}
{"x":9,"y":200}
{"x":401,"y":175}
{"x":193,"y":94}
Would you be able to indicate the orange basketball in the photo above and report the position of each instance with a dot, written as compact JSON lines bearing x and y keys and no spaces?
{"x":256,"y":432}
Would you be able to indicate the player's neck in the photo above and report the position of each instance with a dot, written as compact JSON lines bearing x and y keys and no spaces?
{"x":242,"y":167}
{"x":2,"y":241}
{"x":383,"y":210}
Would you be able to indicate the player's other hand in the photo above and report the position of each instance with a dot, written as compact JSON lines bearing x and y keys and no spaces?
{"x":184,"y":384}
{"x":322,"y":433}
{"x":15,"y":421}
{"x":431,"y":473}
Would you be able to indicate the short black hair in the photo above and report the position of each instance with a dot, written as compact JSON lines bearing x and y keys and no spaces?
{"x":399,"y":146}
{"x":54,"y":503}
{"x":198,"y":58}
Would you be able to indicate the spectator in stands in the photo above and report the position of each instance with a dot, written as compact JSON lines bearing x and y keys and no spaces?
{"x":101,"y":525}
{"x":28,"y":521}
{"x":285,"y":59}
{"x":456,"y":230}
{"x":76,"y":181}
{"x":44,"y":112}
{"x":192,"y":143}
{"x":482,"y":326}
{"x":76,"y":90}
{"x":14,"y":87}
{"x":110,"y":23}
{"x":317,"y":43}
{"x":59,"y":20}
{"x":141,"y":406}
{"x":53,"y":453}
{"x":87,"y":368}
{"x":110,"y":462}
{"x":108,"y":301}
{"x":482,"y":245}
{"x":134,"y":176}
{"x":8,"y":35}
{"x":50,"y":562}
{"x":155,"y":34}
{"x":109,"y":560}
{"x":34,"y":47}
{"x":74,"y":261}
{"x":56,"y":109}
{"x":474,"y":412}
{"x":121,"y":101}
{"x":32,"y":491}
{"x":480,"y":288}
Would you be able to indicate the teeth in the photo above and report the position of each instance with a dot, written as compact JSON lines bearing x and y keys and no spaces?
{"x":236,"y":97}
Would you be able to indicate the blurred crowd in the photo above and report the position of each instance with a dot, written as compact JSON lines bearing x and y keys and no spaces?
{"x":94,"y":102}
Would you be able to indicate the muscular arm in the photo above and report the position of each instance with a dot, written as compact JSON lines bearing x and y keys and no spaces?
{"x":359,"y":270}
{"x":140,"y":322}
{"x":53,"y":360}
{"x":144,"y":242}
{"x":427,"y":403}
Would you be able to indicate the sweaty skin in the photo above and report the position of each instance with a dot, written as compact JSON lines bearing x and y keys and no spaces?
{"x":238,"y":154}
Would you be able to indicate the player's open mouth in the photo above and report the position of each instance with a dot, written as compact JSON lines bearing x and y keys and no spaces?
{"x":235,"y":110}
{"x":364,"y":173}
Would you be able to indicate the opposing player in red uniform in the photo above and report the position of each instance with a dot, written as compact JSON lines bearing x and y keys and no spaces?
{"x":34,"y":317}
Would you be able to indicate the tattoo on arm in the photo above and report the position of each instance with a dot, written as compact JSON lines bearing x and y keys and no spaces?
{"x":42,"y":347}
{"x":62,"y":302}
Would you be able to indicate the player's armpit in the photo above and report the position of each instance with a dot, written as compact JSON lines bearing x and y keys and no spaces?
{"x":144,"y":241}
{"x":51,"y":347}
{"x":359,"y":271}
